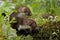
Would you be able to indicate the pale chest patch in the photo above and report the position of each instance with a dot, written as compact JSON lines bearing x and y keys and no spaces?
{"x":24,"y":27}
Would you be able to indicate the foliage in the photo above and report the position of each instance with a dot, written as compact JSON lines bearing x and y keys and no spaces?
{"x":37,"y":7}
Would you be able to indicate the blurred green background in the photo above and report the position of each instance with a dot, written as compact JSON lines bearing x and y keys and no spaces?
{"x":37,"y":7}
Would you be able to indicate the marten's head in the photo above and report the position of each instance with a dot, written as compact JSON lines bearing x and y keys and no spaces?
{"x":23,"y":9}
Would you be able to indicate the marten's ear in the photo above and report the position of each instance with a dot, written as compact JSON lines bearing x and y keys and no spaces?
{"x":13,"y":15}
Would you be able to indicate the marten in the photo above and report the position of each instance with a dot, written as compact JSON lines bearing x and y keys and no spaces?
{"x":23,"y":25}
